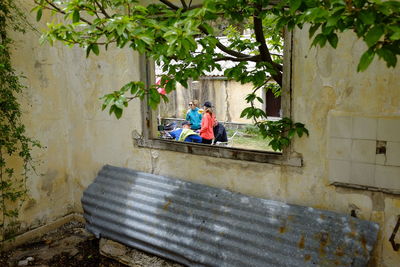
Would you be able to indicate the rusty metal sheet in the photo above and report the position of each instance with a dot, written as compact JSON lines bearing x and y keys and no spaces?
{"x":198,"y":225}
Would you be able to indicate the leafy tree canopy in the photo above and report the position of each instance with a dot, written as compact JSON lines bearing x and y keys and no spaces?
{"x":182,"y":36}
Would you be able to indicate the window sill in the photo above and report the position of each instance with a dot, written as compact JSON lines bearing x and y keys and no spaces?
{"x":366,"y":188}
{"x":222,"y":152}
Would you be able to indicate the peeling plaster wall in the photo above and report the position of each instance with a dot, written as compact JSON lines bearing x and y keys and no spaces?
{"x":62,"y":110}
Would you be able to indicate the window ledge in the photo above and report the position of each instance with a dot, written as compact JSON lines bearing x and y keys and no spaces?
{"x":222,"y":152}
{"x":366,"y":187}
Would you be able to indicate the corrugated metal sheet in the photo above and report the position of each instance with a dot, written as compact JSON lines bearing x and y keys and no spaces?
{"x":199,"y":225}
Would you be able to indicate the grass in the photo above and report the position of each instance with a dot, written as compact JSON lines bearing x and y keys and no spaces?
{"x":249,"y":138}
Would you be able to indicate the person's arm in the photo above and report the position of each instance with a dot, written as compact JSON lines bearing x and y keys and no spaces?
{"x":176,"y":133}
{"x":187,"y":116}
{"x":204,"y":125}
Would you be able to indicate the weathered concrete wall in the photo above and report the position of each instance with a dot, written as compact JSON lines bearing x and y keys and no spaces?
{"x":62,"y":111}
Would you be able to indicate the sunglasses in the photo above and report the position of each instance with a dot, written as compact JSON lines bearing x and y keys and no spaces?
{"x":190,"y":104}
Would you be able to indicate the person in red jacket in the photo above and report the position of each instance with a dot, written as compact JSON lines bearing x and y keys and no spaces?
{"x":207,"y":124}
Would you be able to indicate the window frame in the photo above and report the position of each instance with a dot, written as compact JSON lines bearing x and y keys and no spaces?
{"x":149,"y":122}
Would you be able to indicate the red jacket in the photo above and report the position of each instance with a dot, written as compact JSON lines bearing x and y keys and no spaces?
{"x":207,"y":125}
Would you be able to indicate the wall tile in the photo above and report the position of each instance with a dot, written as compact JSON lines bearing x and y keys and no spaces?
{"x":364,"y":128}
{"x":380,"y":159}
{"x":362,"y":174}
{"x":339,"y":171}
{"x":389,"y":129}
{"x":387,"y":177}
{"x":363,"y":151}
{"x":340,"y":126}
{"x":339,"y":148}
{"x":393,"y":153}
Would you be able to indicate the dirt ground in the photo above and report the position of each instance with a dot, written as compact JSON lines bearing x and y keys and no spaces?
{"x":70,"y":245}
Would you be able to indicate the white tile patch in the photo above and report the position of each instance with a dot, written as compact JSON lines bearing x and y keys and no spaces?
{"x":352,"y":148}
{"x":387,"y":177}
{"x":389,"y":129}
{"x":364,"y":128}
{"x":339,"y":171}
{"x":339,"y":148}
{"x":362,"y":173}
{"x":363,"y":151}
{"x":393,"y":153}
{"x":380,"y":159}
{"x":340,"y":126}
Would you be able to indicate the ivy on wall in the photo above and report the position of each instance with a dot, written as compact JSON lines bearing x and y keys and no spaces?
{"x":15,"y":145}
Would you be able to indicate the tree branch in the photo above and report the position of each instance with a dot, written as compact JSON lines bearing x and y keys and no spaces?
{"x":184,"y":4}
{"x":169,"y":4}
{"x":241,"y":59}
{"x":263,"y":48}
{"x":103,"y":11}
{"x":224,"y":48}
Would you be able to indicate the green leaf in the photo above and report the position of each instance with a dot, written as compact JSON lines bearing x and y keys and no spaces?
{"x":95,"y":49}
{"x":396,"y":32}
{"x":313,"y":29}
{"x":291,"y":133}
{"x":365,"y":60}
{"x":245,"y":112}
{"x":88,"y":48}
{"x":333,"y":40}
{"x":208,"y":28}
{"x":118,"y":112}
{"x":299,"y":132}
{"x":39,"y":14}
{"x":388,"y":56}
{"x":294,"y":5}
{"x":75,"y":16}
{"x":373,"y":35}
{"x":319,"y":39}
{"x":367,"y":16}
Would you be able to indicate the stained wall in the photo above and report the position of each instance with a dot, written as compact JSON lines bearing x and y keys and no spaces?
{"x":62,"y":110}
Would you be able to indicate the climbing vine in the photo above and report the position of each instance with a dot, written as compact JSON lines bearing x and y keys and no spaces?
{"x":15,"y":145}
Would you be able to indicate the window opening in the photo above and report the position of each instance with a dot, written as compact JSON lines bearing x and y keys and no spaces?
{"x":228,"y":99}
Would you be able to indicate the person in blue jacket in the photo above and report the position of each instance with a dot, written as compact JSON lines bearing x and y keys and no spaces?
{"x":194,"y":115}
{"x":185,"y":134}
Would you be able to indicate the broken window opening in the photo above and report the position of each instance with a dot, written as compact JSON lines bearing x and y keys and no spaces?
{"x":177,"y":108}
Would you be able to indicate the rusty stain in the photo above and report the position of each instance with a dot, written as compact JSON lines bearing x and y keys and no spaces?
{"x":301,"y":242}
{"x":166,"y":205}
{"x":352,"y":234}
{"x":339,"y":252}
{"x":323,"y":241}
{"x":363,"y":241}
{"x":282,"y":229}
{"x":307,"y":257}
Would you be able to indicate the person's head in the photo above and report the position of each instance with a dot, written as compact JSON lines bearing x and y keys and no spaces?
{"x":193,"y":104}
{"x":186,"y":125}
{"x":208,"y":107}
